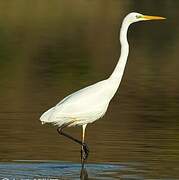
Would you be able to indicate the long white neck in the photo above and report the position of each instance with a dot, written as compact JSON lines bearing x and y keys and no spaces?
{"x":119,"y":69}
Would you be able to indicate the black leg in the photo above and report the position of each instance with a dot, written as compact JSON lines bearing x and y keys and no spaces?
{"x":85,"y":149}
{"x":68,"y":136}
{"x":84,"y":152}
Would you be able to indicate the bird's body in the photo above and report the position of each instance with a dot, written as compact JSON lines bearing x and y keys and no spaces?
{"x":82,"y":107}
{"x":89,"y":104}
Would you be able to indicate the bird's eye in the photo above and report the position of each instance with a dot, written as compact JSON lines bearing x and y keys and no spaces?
{"x":138,"y":16}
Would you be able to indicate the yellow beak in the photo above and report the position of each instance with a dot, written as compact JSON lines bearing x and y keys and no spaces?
{"x":153,"y":17}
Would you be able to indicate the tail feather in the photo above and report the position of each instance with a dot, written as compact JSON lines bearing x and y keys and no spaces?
{"x":49,"y":117}
{"x":46,"y":117}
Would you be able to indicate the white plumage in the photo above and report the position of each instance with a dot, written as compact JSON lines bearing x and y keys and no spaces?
{"x":89,"y":104}
{"x":81,"y":107}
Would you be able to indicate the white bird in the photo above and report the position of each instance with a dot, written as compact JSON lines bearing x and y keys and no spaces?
{"x":89,"y":104}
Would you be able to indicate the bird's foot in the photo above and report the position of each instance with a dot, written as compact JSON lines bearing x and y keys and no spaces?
{"x":84,"y":152}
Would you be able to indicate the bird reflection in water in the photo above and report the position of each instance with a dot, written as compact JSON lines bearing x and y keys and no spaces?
{"x":83,"y":173}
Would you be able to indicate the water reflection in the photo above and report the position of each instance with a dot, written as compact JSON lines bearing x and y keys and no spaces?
{"x":69,"y":171}
{"x":83,"y":173}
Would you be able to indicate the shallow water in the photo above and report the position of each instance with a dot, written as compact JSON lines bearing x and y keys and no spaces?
{"x":49,"y":49}
{"x":66,"y":170}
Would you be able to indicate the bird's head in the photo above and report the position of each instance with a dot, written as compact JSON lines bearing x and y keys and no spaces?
{"x":135,"y":17}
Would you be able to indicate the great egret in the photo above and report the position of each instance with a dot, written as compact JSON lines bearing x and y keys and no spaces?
{"x":89,"y":104}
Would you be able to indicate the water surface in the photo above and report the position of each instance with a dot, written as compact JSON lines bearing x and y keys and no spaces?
{"x":67,"y":170}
